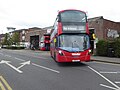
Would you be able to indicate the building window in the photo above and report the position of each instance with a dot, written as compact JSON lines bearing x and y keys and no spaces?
{"x":23,"y":32}
{"x":23,"y":38}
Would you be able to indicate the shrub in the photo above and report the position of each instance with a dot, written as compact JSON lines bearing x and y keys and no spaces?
{"x":102,"y":48}
{"x":116,"y":47}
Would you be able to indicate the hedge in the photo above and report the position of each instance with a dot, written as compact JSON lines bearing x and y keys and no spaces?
{"x":103,"y":48}
{"x":116,"y":47}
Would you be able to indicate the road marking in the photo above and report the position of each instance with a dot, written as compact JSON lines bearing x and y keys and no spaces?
{"x":5,"y":83}
{"x":110,"y":72}
{"x":7,"y":55}
{"x":2,"y":86}
{"x":46,"y":68}
{"x":117,"y":82}
{"x":118,"y":88}
{"x":23,"y":64}
{"x":13,"y":67}
{"x":19,"y":59}
{"x":109,"y":87}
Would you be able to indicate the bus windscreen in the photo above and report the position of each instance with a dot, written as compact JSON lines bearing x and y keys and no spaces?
{"x":73,"y":16}
{"x":74,"y":43}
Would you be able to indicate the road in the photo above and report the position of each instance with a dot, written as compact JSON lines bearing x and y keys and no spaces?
{"x":36,"y":70}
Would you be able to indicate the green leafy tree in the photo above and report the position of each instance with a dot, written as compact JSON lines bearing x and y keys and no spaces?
{"x":16,"y":38}
{"x":7,"y":40}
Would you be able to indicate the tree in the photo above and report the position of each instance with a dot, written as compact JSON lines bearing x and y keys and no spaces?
{"x":16,"y":38}
{"x":7,"y":40}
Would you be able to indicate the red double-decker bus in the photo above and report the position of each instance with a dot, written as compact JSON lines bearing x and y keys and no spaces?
{"x":69,"y":41}
{"x":45,"y":42}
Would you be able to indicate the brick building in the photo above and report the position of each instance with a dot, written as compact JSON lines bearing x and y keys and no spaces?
{"x":31,"y":35}
{"x":103,"y":28}
{"x":28,"y":36}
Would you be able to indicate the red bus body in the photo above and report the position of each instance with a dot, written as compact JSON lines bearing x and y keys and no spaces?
{"x":45,"y":42}
{"x":69,"y":41}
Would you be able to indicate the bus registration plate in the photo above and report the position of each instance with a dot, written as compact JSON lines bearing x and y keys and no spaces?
{"x":75,"y":60}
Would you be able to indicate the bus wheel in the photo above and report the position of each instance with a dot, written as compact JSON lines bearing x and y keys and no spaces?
{"x":55,"y":57}
{"x":51,"y":54}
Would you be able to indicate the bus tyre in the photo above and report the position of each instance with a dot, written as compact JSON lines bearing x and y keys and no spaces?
{"x":55,"y":57}
{"x":51,"y":54}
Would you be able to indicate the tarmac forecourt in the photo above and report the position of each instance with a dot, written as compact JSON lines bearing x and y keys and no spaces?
{"x":4,"y":85}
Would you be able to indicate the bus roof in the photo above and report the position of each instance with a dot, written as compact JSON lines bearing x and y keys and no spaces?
{"x":70,"y":10}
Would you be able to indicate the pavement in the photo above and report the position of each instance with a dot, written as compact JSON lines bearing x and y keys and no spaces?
{"x":105,"y":59}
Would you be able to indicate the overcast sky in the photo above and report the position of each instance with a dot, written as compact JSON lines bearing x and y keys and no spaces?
{"x":22,"y":14}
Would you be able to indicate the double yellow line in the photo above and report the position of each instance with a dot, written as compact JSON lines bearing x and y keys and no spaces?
{"x":4,"y":85}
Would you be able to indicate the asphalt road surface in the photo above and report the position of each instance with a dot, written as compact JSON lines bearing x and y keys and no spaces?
{"x":36,"y":70}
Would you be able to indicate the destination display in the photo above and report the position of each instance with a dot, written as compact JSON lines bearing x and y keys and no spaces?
{"x":74,"y":28}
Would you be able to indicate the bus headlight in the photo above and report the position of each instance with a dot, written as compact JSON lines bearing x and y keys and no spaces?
{"x":60,"y":52}
{"x":89,"y":52}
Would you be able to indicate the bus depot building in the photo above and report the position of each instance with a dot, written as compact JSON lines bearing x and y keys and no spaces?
{"x":31,"y":37}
